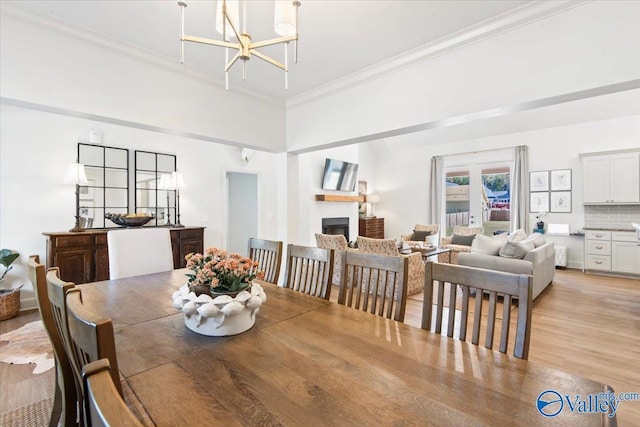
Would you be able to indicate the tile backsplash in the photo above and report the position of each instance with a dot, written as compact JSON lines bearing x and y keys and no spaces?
{"x":611,"y":216}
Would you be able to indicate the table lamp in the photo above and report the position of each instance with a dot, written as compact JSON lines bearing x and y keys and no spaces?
{"x":176,"y":183}
{"x":372,"y":199}
{"x":77,"y":176}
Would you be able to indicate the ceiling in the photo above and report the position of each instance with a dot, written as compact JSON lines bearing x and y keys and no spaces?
{"x":337,"y":37}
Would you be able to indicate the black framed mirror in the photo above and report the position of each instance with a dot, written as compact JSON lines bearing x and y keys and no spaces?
{"x":107,"y":170}
{"x":153,"y":192}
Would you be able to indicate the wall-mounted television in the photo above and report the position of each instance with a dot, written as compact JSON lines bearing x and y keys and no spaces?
{"x":339,"y":175}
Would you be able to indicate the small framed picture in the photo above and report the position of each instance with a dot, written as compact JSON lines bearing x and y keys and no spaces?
{"x":539,"y":181}
{"x":560,"y":201}
{"x":539,"y":202}
{"x":561,"y":180}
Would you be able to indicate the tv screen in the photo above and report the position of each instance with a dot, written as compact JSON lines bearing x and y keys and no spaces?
{"x":339,"y":175}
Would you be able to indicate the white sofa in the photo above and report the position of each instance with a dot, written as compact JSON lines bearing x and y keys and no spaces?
{"x":538,"y":263}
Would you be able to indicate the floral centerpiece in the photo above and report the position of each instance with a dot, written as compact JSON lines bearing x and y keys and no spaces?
{"x":218,"y":272}
{"x":219,"y":298}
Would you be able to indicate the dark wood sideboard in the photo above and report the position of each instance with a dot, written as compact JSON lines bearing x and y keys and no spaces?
{"x":84,"y":257}
{"x":371,"y":227}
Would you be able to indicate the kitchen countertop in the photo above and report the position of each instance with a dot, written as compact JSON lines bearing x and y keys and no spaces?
{"x":610,"y":229}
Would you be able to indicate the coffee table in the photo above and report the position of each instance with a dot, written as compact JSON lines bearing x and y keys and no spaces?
{"x":426,"y":252}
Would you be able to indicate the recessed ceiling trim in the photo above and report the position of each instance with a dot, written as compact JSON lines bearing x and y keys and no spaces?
{"x":519,"y":17}
{"x":126,"y":123}
{"x":481,"y":115}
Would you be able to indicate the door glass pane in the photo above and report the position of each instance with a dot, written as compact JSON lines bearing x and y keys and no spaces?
{"x":457,"y":200}
{"x":496,"y":200}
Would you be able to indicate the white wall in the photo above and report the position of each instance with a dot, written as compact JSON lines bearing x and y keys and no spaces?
{"x":35,"y":148}
{"x":52,"y":67}
{"x":582,"y":48}
{"x":403,"y":179}
{"x":305,"y":176}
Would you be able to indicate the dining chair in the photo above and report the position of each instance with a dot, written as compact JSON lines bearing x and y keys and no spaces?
{"x":90,"y":338}
{"x":64,"y":399}
{"x":56,"y":291}
{"x":309,"y":270}
{"x":268,"y":254}
{"x":135,"y":252}
{"x":375,"y":283}
{"x":102,"y":403}
{"x":486,"y":284}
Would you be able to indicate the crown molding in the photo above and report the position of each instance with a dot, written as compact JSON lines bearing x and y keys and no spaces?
{"x":519,"y":17}
{"x":51,"y":24}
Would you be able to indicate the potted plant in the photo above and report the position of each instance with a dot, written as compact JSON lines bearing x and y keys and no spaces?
{"x":9,"y":298}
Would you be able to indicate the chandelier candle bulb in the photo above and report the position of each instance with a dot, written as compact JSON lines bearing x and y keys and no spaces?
{"x":285,"y":25}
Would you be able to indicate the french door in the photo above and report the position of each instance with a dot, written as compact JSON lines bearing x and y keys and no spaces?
{"x":478,"y":194}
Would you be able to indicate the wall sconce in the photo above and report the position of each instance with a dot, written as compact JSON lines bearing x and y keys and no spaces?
{"x":77,"y":176}
{"x":176,"y":183}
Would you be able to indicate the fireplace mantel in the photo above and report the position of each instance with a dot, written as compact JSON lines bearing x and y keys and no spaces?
{"x":338,"y":198}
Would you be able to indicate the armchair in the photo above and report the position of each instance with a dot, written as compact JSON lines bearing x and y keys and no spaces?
{"x":445,"y":242}
{"x":389,"y":247}
{"x":433,"y":229}
{"x":337,"y":242}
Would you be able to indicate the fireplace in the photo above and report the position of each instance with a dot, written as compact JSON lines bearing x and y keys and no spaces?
{"x":336,"y":226}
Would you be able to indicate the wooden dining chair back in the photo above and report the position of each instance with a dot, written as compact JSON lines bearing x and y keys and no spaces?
{"x":102,"y":403}
{"x":268,"y":254}
{"x":309,"y":270}
{"x":462,"y":282}
{"x":91,"y":338}
{"x":64,"y":398}
{"x":135,"y":252}
{"x":375,"y":283}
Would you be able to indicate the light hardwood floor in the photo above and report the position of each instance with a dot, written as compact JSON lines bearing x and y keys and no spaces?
{"x":583,"y":324}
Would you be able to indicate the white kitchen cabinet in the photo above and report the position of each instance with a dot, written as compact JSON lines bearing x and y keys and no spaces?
{"x":612,"y":251}
{"x":611,"y":178}
{"x":625,"y":253}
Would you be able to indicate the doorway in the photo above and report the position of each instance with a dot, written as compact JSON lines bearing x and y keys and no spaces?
{"x":242,"y":211}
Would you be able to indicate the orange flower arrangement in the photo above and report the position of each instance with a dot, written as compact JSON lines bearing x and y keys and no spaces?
{"x":221,"y":271}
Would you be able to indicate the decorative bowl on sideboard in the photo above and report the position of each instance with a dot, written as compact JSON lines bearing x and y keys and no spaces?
{"x":129,"y":220}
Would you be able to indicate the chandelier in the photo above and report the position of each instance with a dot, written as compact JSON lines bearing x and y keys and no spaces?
{"x":227,"y":20}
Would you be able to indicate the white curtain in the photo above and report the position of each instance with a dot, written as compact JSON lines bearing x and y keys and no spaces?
{"x":436,"y":192}
{"x":520,"y":190}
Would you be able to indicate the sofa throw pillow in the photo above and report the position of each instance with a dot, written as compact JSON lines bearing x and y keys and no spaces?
{"x":458,"y":239}
{"x":420,"y":236}
{"x":536,"y":238}
{"x":515,"y":250}
{"x":517,"y":236}
{"x":486,"y":245}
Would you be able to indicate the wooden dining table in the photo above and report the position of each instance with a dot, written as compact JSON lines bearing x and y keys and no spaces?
{"x":310,"y":362}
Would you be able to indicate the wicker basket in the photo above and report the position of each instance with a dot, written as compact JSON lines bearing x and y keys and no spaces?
{"x":10,"y":304}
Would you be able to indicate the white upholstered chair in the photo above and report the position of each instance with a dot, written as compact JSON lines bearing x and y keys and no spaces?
{"x":135,"y":252}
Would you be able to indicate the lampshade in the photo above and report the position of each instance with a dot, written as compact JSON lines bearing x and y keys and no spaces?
{"x":176,"y":182}
{"x":284,"y":22}
{"x":76,"y":175}
{"x":164,"y":181}
{"x":233,"y":10}
{"x":373,"y":198}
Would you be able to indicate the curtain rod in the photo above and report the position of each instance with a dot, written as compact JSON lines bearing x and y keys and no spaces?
{"x":481,"y":151}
